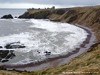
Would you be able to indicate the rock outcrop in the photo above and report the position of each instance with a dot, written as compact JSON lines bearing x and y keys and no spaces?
{"x":14,"y":45}
{"x":5,"y":55}
{"x":9,"y":16}
{"x":41,"y":13}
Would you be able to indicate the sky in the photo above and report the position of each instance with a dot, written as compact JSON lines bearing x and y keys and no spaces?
{"x":46,"y":3}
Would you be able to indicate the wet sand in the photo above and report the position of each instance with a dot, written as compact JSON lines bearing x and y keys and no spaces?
{"x":59,"y":60}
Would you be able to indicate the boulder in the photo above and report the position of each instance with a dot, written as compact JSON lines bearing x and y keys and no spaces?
{"x":47,"y":53}
{"x":5,"y":55}
{"x":4,"y":61}
{"x":9,"y":16}
{"x":14,"y":45}
{"x":1,"y":47}
{"x":16,"y":17}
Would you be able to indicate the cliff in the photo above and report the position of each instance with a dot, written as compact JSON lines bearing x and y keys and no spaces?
{"x":85,"y":64}
{"x":87,"y":16}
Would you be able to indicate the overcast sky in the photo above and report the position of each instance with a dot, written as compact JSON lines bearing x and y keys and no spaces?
{"x":45,"y":3}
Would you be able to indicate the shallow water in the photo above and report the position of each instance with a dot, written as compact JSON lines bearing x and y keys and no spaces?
{"x":39,"y":37}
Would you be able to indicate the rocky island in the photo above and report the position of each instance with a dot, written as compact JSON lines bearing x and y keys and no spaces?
{"x":9,"y":16}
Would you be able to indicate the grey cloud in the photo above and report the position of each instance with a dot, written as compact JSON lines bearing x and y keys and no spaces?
{"x":56,"y":2}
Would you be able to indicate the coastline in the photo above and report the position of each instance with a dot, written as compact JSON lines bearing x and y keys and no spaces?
{"x":56,"y":61}
{"x":87,"y":62}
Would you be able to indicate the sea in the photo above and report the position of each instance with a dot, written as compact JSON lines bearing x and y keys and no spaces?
{"x":14,"y":12}
{"x":24,"y":41}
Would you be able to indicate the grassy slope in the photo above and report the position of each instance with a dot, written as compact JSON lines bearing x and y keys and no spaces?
{"x":87,"y":62}
{"x":4,"y":72}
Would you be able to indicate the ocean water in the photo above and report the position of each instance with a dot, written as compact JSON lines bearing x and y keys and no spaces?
{"x":14,"y":12}
{"x":38,"y":37}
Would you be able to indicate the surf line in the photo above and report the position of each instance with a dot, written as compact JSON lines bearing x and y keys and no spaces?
{"x":87,"y":41}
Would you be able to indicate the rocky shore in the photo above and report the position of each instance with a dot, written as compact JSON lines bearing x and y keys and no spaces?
{"x":89,"y":41}
{"x":85,"y":16}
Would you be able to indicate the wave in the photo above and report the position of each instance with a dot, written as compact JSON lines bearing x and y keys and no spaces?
{"x":44,"y":38}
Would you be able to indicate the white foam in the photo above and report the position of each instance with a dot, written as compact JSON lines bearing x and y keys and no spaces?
{"x":55,"y":26}
{"x":23,"y":38}
{"x":59,"y":38}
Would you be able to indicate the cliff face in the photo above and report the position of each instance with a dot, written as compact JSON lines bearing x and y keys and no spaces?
{"x":42,"y":13}
{"x":87,"y":16}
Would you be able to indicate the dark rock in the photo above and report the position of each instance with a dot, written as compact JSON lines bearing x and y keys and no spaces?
{"x":11,"y":51}
{"x":9,"y":46}
{"x":1,"y":47}
{"x":5,"y":55}
{"x":9,"y":16}
{"x":47,"y":53}
{"x":4,"y":61}
{"x":10,"y":56}
{"x":25,"y":15}
{"x":38,"y":51}
{"x":14,"y":45}
{"x":16,"y":17}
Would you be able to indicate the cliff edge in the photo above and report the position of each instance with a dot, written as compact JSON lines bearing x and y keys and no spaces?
{"x":86,"y":16}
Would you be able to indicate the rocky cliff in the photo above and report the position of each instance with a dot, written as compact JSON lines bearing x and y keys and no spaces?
{"x":9,"y":16}
{"x":86,"y":16}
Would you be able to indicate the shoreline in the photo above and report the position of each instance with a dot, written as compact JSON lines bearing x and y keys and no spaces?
{"x":50,"y":60}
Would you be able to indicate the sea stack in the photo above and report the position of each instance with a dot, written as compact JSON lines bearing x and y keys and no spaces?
{"x":9,"y":16}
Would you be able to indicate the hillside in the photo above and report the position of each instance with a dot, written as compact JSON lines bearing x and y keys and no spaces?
{"x":87,"y":16}
{"x":88,"y":63}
